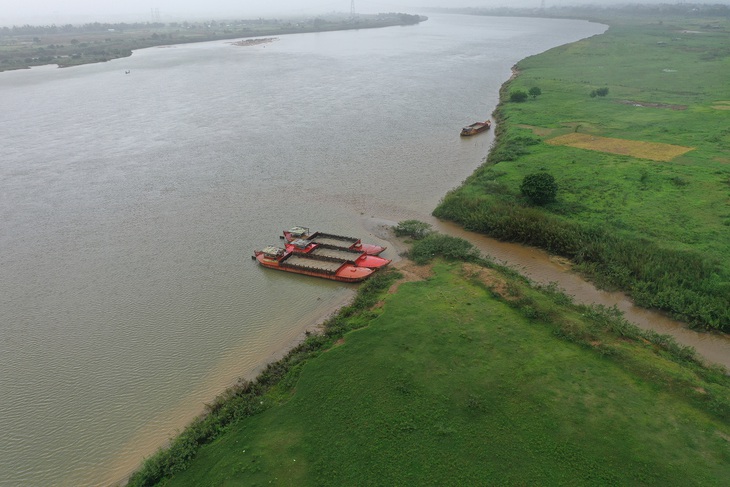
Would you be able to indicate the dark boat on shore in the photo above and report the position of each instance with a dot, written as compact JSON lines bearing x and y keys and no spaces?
{"x":475,"y":128}
{"x":334,"y":269}
{"x":360,"y":259}
{"x":340,"y":241}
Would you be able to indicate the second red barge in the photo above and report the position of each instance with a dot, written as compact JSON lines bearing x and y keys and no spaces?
{"x":340,"y":241}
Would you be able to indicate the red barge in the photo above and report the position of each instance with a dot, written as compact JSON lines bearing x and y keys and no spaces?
{"x":475,"y":128}
{"x":340,"y":241}
{"x":310,"y":265}
{"x":360,"y":259}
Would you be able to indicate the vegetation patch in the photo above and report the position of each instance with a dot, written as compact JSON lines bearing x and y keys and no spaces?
{"x":660,"y":232}
{"x":450,"y":384}
{"x":643,"y":150}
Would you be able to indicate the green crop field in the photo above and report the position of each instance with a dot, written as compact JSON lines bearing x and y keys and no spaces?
{"x":643,"y":172}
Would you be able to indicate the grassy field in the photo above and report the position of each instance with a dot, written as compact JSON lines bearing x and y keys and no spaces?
{"x":643,"y":172}
{"x":471,"y":377}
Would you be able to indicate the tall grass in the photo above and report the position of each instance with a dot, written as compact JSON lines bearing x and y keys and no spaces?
{"x":682,"y":283}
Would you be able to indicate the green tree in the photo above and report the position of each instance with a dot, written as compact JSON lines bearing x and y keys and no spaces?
{"x":518,"y":96}
{"x":535,"y":92}
{"x":540,"y":188}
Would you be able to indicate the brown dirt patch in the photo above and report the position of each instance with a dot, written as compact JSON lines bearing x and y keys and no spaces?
{"x":411,"y":273}
{"x":491,"y":278}
{"x":643,"y":150}
{"x":652,"y":105}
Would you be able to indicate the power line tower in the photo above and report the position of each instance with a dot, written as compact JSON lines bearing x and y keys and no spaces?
{"x":352,"y":8}
{"x":542,"y":5}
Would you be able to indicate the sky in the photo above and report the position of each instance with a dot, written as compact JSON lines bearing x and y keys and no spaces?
{"x":36,"y":12}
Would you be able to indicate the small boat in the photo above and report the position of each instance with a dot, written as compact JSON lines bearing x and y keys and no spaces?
{"x":475,"y":128}
{"x":340,"y":241}
{"x":360,"y":259}
{"x":336,"y":270}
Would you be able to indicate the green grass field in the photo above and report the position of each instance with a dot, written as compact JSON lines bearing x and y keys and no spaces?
{"x":453,"y":382}
{"x":667,"y":85}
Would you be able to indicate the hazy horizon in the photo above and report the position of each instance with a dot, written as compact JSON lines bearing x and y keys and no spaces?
{"x":38,"y":12}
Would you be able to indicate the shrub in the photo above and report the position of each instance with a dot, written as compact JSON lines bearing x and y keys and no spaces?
{"x":535,"y":92}
{"x":439,"y":245}
{"x":540,"y":188}
{"x":518,"y":96}
{"x":412,"y":228}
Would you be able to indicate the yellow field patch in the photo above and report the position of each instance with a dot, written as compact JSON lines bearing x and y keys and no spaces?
{"x":643,"y":150}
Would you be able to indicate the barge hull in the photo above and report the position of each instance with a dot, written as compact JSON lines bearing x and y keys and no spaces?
{"x":336,"y":271}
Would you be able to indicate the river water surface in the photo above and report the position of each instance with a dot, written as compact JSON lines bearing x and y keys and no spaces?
{"x":131,"y":203}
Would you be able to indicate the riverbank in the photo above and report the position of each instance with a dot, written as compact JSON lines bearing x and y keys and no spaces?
{"x":22,"y":47}
{"x":544,"y":269}
{"x":403,"y":397}
{"x":226,"y":375}
{"x":641,"y":169}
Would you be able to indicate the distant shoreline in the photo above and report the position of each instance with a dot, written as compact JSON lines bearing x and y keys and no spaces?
{"x":28,"y":46}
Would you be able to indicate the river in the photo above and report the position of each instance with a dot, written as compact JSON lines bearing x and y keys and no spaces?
{"x":131,"y":203}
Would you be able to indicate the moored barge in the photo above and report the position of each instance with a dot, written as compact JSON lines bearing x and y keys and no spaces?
{"x":360,"y":259}
{"x":336,"y":270}
{"x":475,"y":128}
{"x":333,"y":240}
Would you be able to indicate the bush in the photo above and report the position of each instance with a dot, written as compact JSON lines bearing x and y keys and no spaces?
{"x":540,"y":188}
{"x":518,"y":96}
{"x":439,"y":245}
{"x":535,"y":92}
{"x":412,"y":228}
{"x":599,"y":92}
